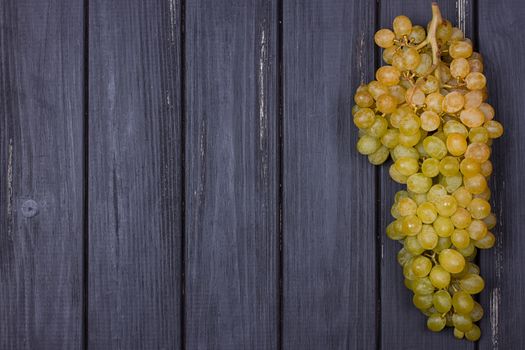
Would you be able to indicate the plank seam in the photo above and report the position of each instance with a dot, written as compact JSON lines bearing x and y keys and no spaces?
{"x":280,"y":152}
{"x":378,"y":211}
{"x":183,"y":173}
{"x":85,"y":248}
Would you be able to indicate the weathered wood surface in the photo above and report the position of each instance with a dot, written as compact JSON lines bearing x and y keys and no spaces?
{"x":194,"y":172}
{"x":232,"y":226}
{"x":499,"y":24}
{"x":329,"y":245}
{"x":134,"y":184}
{"x":41,"y":175}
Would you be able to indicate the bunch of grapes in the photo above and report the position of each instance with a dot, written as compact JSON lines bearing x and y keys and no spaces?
{"x":427,"y":110}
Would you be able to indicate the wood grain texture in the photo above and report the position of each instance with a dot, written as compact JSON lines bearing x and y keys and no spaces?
{"x":329,"y":279}
{"x":232,"y":230}
{"x":402,"y":325}
{"x":502,"y":266}
{"x":135,"y":162}
{"x":41,"y":172}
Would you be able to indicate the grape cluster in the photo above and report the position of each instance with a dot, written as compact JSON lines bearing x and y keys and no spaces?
{"x":427,"y":111}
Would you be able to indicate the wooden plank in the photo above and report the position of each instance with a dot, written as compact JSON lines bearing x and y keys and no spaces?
{"x":232,"y":189}
{"x":499,"y":25}
{"x":41,"y":174}
{"x":402,"y":325}
{"x":329,"y":231}
{"x":134,"y":175}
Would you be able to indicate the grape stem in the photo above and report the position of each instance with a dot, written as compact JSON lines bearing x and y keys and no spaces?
{"x":431,"y":37}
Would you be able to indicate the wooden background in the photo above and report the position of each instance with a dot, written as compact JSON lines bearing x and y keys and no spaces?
{"x":183,"y":175}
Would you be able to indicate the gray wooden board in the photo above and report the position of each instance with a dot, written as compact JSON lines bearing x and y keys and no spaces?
{"x":41,"y":159}
{"x":499,"y":26}
{"x":135,"y":162}
{"x":232,"y":129}
{"x":214,"y":150}
{"x":402,"y":325}
{"x":329,"y":279}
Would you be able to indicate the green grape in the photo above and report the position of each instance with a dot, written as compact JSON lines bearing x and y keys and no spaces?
{"x":439,"y":277}
{"x":410,"y":124}
{"x":473,"y":334}
{"x":423,"y":286}
{"x":378,"y":127}
{"x":475,"y":184}
{"x":462,"y":302}
{"x":407,"y":271}
{"x":472,"y":117}
{"x":388,"y":75}
{"x":411,"y":225}
{"x":419,"y":198}
{"x":451,"y":260}
{"x":468,"y":251}
{"x":401,"y":151}
{"x":422,"y":301}
{"x":421,"y":266}
{"x":411,"y":58}
{"x":427,"y":238}
{"x":442,"y":301}
{"x":472,"y":268}
{"x":477,"y":312}
{"x":436,"y":322}
{"x":469,"y":167}
{"x":417,"y":34}
{"x":368,"y":145}
{"x":443,"y":226}
{"x":463,"y":197}
{"x":390,"y":139}
{"x":460,"y":49}
{"x":461,"y":218}
{"x":426,"y":212}
{"x":400,"y":195}
{"x":402,"y":26}
{"x":364,"y":118}
{"x":449,"y":166}
{"x":478,"y":208}
{"x":490,"y":221}
{"x":407,"y":206}
{"x":403,"y":256}
{"x":407,"y":166}
{"x":479,"y":134}
{"x":408,"y":283}
{"x":454,"y":127}
{"x":446,"y":205}
{"x":393,"y":233}
{"x":384,"y":38}
{"x":458,"y":334}
{"x":452,"y":183}
{"x":443,"y":243}
{"x":430,"y":167}
{"x":409,"y":140}
{"x":380,"y":156}
{"x":472,"y":283}
{"x":436,"y":192}
{"x":396,"y":175}
{"x":363,"y":99}
{"x":419,"y":183}
{"x":435,"y":147}
{"x":386,"y":103}
{"x":412,"y":245}
{"x":453,"y":102}
{"x":462,"y":322}
{"x":460,"y":239}
{"x":486,"y":242}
